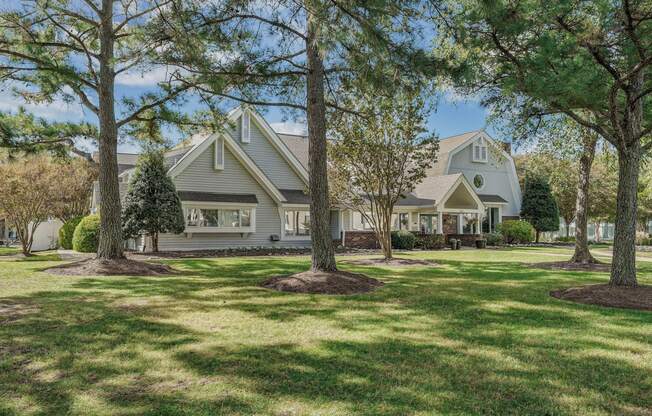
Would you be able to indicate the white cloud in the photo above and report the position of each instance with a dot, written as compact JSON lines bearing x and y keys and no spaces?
{"x":58,"y":110}
{"x":144,"y":77}
{"x":289,"y":127}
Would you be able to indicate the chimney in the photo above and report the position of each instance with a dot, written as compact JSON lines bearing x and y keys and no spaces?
{"x":507,"y":146}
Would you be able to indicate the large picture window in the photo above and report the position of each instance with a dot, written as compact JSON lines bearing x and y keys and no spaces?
{"x":224,"y":218}
{"x":491,"y":220}
{"x":360,"y":223}
{"x":470,"y":224}
{"x":297,"y":223}
{"x":401,"y":221}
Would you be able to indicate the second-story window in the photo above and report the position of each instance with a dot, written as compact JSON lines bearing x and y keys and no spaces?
{"x":480,"y":150}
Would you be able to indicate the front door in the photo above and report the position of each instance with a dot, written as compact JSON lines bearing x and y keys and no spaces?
{"x":450,"y":223}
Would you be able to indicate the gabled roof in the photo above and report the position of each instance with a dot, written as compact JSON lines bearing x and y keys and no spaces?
{"x":298,"y":145}
{"x":440,"y":188}
{"x":238,"y":153}
{"x":446,"y":147}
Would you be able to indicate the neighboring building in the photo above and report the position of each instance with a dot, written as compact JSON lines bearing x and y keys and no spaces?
{"x":247,"y":187}
{"x":46,"y":235}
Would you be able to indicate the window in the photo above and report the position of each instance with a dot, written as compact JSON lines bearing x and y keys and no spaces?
{"x":491,"y":220}
{"x":218,"y":217}
{"x":480,"y":150}
{"x":478,"y":181}
{"x":297,"y":223}
{"x":428,"y":223}
{"x":219,"y":153}
{"x":245,"y":128}
{"x":469,"y":224}
{"x":359,"y":222}
{"x":401,"y":221}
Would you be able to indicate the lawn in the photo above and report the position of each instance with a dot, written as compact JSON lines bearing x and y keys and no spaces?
{"x":477,"y":335}
{"x":7,"y":251}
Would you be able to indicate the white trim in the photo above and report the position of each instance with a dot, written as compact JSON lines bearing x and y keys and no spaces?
{"x":281,"y":212}
{"x":484,"y":182}
{"x":440,"y":207}
{"x":189,"y":230}
{"x":238,"y":153}
{"x":245,"y":127}
{"x":274,"y":139}
{"x":219,"y":150}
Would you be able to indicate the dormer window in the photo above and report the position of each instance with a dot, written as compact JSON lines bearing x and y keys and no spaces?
{"x":245,"y":128}
{"x":480,"y":151}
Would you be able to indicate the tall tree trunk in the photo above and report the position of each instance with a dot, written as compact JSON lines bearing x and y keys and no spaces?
{"x":623,"y":268}
{"x":537,"y":234}
{"x":110,"y":244}
{"x":154,"y":242}
{"x":582,"y":253}
{"x":323,"y":255}
{"x":567,"y":224}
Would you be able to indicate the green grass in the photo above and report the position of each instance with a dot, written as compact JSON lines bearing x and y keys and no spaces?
{"x":478,"y":335}
{"x":8,"y":251}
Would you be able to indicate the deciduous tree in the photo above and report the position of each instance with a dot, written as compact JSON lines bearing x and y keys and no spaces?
{"x":26,"y":187}
{"x":378,"y":157}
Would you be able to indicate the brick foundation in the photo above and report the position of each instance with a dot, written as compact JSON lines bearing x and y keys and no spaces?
{"x":360,"y":239}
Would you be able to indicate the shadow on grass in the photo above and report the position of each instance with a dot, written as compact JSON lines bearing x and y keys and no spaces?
{"x":466,"y":337}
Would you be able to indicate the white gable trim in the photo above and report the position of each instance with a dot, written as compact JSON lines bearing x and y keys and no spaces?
{"x":273,"y":138}
{"x":516,"y":189}
{"x":239,"y":154}
{"x":461,"y":180}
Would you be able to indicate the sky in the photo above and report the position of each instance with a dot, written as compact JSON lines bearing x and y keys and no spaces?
{"x":451,"y":116}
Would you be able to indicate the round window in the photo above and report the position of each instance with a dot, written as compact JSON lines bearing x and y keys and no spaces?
{"x":478,"y":181}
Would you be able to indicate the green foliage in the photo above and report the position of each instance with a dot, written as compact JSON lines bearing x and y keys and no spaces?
{"x":494,"y":239}
{"x":430,"y":241}
{"x":87,"y":234}
{"x":403,"y":240}
{"x":516,"y":231}
{"x":151,"y":205}
{"x":67,"y":231}
{"x":539,"y":207}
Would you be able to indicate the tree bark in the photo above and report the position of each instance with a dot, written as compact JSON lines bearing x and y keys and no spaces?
{"x":623,"y":267}
{"x":154,"y":238}
{"x":537,"y":234}
{"x":567,"y":224}
{"x":582,"y":253}
{"x":110,"y":242}
{"x":323,"y":255}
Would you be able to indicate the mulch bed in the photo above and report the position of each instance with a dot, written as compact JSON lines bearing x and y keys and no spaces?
{"x":332,"y":283}
{"x":95,"y":267}
{"x":395,"y":262}
{"x":639,"y":298}
{"x":566,"y":265}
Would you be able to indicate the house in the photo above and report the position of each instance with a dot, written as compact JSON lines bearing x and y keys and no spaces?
{"x":248,"y":187}
{"x":46,"y":235}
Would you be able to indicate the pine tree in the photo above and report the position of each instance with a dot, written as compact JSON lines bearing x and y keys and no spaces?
{"x":539,"y":207}
{"x":152,"y":205}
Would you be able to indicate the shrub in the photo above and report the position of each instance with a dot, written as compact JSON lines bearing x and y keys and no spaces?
{"x":403,"y":240}
{"x":87,"y":234}
{"x":645,"y":241}
{"x":569,"y":239}
{"x":516,"y":231}
{"x":494,"y":239}
{"x":430,"y":241}
{"x":66,"y":232}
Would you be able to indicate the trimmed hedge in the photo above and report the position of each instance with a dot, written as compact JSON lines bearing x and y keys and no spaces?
{"x":66,"y":232}
{"x":403,"y":240}
{"x":431,"y":241}
{"x":516,"y":231}
{"x":87,"y":234}
{"x":564,"y":239}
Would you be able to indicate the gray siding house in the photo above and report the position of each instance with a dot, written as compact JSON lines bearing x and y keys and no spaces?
{"x":247,"y":187}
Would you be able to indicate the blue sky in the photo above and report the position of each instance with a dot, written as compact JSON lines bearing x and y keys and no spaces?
{"x":451,"y":117}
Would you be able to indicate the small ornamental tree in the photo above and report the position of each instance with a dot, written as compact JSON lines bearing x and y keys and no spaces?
{"x":26,"y":187}
{"x":539,"y":207}
{"x":379,"y":156}
{"x":152,"y":205}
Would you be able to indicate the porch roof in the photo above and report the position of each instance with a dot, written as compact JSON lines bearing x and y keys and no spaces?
{"x":217,"y":197}
{"x":413,"y":200}
{"x":496,"y":199}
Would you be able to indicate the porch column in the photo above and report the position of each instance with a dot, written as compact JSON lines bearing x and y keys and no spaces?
{"x":460,"y":226}
{"x":440,"y":223}
{"x":478,"y":223}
